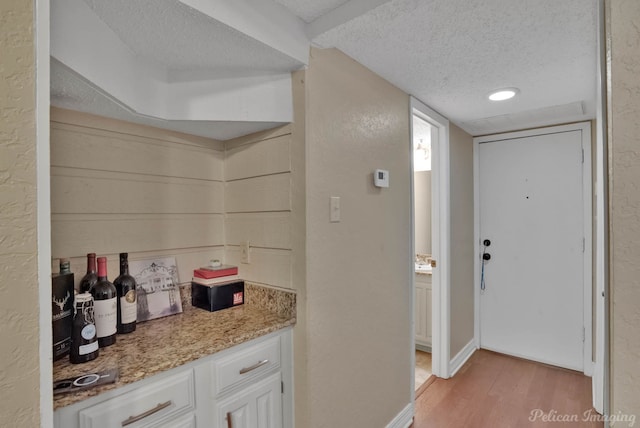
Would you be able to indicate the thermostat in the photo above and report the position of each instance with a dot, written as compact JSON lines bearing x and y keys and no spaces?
{"x":381,"y":178}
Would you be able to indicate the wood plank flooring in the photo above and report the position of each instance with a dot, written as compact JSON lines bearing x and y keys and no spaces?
{"x":423,"y":368}
{"x":497,"y":391}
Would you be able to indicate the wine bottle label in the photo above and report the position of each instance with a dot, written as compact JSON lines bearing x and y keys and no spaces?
{"x":89,"y":348}
{"x":88,"y":332}
{"x":105,"y":312}
{"x":128,"y":307}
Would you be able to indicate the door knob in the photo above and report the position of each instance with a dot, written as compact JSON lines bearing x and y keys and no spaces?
{"x":432,"y":263}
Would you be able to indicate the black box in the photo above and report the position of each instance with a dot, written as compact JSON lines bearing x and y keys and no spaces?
{"x":217,"y":296}
{"x":61,"y":313}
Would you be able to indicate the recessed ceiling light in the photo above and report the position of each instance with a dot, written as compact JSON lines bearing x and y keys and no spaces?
{"x":503,"y":94}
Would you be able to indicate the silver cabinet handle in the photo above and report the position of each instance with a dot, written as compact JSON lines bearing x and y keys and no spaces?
{"x":149,"y":412}
{"x":253,"y":367}
{"x":229,"y":422}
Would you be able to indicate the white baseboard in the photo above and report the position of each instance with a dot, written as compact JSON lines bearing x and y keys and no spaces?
{"x":403,"y":419}
{"x":458,"y":361}
{"x":424,"y":348}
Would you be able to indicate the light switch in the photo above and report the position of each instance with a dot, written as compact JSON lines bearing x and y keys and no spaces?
{"x":335,"y":209}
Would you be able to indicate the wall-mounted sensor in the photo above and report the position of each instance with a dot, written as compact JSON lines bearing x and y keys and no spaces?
{"x":381,"y":178}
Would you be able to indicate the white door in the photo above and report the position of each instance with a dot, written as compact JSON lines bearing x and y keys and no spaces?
{"x":532,"y":209}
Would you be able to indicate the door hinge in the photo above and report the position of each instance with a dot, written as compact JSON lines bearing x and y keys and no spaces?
{"x":583,"y":244}
{"x":282,"y":387}
{"x":582,"y":155}
{"x":584,"y":334}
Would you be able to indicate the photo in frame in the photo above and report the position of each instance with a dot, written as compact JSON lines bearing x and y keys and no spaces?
{"x":157,"y":288}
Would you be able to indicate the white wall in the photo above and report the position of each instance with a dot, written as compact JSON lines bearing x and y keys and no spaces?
{"x":358,"y":276}
{"x":422,"y":209}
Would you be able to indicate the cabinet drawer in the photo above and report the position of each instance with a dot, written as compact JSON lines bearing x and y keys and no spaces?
{"x":246,"y":365}
{"x":149,"y":405}
{"x":186,"y":421}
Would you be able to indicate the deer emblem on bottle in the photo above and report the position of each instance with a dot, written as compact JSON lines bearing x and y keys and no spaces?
{"x":62,"y":304}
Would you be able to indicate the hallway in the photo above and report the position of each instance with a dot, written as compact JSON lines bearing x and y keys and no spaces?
{"x":498,"y":391}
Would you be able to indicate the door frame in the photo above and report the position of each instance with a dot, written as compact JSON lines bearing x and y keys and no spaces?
{"x":440,"y":236}
{"x":585,"y":129}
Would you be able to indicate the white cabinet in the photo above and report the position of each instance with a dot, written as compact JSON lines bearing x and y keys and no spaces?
{"x":246,"y":386}
{"x":422,"y":310}
{"x":257,"y":406}
{"x":155,"y":404}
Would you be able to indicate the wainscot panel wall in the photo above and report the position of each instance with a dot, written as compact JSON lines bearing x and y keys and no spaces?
{"x":258,"y":205}
{"x":121,"y":187}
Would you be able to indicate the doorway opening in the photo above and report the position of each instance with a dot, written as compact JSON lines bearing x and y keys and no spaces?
{"x":430,"y":246}
{"x":423,"y":134}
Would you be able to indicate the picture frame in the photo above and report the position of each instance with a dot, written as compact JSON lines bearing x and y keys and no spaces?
{"x":157,"y":290}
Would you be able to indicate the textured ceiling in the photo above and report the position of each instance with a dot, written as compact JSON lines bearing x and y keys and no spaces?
{"x":451,"y":54}
{"x":70,"y":91}
{"x":448,"y":53}
{"x":172,"y":34}
{"x":310,"y":10}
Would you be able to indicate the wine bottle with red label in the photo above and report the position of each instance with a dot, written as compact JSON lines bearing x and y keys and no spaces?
{"x":127,"y":302}
{"x":105,"y":306}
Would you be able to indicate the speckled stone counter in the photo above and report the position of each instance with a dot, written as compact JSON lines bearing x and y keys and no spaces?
{"x":169,"y":342}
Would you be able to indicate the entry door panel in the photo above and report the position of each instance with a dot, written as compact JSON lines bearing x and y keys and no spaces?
{"x":531,"y":209}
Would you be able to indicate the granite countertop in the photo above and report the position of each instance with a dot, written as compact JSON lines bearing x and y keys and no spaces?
{"x":172,"y":341}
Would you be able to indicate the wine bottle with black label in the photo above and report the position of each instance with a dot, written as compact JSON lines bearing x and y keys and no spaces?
{"x":84,"y":343}
{"x":62,"y":309}
{"x":105,"y":306}
{"x":91,"y":277}
{"x":127,"y":303}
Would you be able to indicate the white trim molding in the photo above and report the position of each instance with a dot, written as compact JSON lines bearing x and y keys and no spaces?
{"x":42,"y":42}
{"x":404,"y":419}
{"x":462,"y":357}
{"x":440,"y":236}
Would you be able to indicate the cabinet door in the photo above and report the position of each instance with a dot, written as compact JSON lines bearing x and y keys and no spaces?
{"x":257,"y":406}
{"x":420,"y":314}
{"x":428,"y":316}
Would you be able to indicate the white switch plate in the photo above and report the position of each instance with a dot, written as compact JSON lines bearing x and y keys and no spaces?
{"x":245,"y":252}
{"x":335,"y":209}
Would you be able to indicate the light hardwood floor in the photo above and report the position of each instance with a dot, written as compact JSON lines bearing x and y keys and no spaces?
{"x":497,"y":391}
{"x":423,"y":368}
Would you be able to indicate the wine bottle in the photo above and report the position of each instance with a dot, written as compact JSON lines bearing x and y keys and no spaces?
{"x":62,"y":309}
{"x":90,"y":278}
{"x":105,"y":306}
{"x":126,"y":290}
{"x":84,"y":343}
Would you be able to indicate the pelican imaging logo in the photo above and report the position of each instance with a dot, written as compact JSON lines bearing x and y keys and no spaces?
{"x":553,"y":416}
